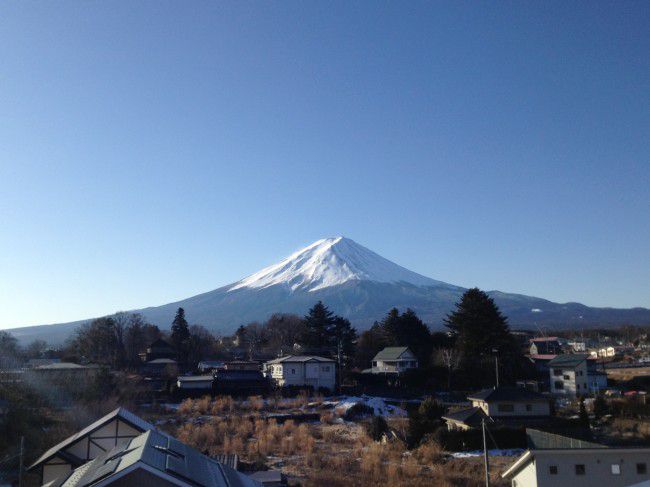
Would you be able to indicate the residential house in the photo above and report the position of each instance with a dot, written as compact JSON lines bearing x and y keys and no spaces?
{"x":149,"y":459}
{"x":500,"y":404}
{"x":565,"y":462}
{"x":393,"y":360}
{"x":157,"y":350}
{"x":545,"y":346}
{"x":575,"y":374}
{"x":302,"y":370}
{"x":160,"y":367}
{"x":115,"y":429}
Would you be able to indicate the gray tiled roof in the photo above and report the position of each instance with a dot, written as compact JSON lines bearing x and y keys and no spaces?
{"x":161,"y":455}
{"x":390,"y":353}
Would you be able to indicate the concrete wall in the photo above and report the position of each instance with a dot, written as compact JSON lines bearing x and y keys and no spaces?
{"x":598,"y":468}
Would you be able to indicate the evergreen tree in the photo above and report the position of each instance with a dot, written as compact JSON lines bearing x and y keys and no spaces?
{"x":409,"y":331}
{"x":601,"y":408}
{"x":480,"y":331}
{"x":344,"y":338}
{"x":180,"y":334}
{"x":319,"y":323}
{"x":583,"y":415}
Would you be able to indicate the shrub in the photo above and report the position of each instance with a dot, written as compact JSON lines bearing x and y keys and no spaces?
{"x":377,"y":427}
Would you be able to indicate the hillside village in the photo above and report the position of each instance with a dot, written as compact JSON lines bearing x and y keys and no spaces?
{"x":309,"y":401}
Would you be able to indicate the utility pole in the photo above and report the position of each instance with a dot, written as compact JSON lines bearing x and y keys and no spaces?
{"x":20,"y":468}
{"x":496,"y":364}
{"x":485,"y":456}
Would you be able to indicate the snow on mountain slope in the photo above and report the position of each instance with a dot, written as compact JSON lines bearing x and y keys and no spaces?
{"x":330,"y":262}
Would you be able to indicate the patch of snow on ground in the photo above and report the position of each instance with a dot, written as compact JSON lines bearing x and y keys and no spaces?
{"x":513,"y":452}
{"x":377,"y":404}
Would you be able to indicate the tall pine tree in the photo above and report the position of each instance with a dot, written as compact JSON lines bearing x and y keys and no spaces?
{"x":319,"y":323}
{"x":344,"y":341}
{"x":180,"y":336}
{"x":480,"y":332}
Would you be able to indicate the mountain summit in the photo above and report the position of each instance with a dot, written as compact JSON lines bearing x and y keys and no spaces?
{"x":354,"y":282}
{"x":332,"y":262}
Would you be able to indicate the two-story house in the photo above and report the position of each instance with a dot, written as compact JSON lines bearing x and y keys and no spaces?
{"x":575,"y":374}
{"x":393,"y":360}
{"x":499,"y":404}
{"x":302,"y":370}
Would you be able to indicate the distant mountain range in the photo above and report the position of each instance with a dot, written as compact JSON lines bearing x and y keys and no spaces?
{"x":354,"y":282}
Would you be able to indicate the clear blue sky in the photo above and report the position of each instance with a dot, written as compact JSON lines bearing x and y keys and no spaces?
{"x":151,"y":150}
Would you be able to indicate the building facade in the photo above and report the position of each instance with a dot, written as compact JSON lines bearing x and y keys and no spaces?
{"x":394,"y":360}
{"x":302,"y":370}
{"x":575,"y":375}
{"x":580,"y":467}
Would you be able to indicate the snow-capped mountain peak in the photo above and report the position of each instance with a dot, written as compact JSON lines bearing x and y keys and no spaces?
{"x":330,"y":262}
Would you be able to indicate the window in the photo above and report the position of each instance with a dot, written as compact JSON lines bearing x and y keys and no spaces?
{"x":326,"y":368}
{"x":559,"y":384}
{"x":641,"y":468}
{"x":566,"y":377}
{"x":557,"y":372}
{"x":374,"y":363}
{"x":529,"y":407}
{"x":293,"y":371}
{"x":580,"y":373}
{"x":578,"y":387}
{"x":616,"y":469}
{"x":552,"y":469}
{"x":505,"y":408}
{"x":580,"y":469}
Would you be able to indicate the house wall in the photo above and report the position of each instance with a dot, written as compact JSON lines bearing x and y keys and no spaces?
{"x":527,"y":477}
{"x":519,"y":408}
{"x":54,"y":469}
{"x":113,"y":433}
{"x":598,"y":469}
{"x":576,"y":381}
{"x":314,"y":374}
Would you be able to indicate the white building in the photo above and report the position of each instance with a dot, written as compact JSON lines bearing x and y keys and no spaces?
{"x":509,"y":404}
{"x":575,"y":374}
{"x":393,"y":360}
{"x":302,"y":370}
{"x":580,"y":467}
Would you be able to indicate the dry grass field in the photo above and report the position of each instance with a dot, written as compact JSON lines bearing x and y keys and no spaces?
{"x":328,"y":452}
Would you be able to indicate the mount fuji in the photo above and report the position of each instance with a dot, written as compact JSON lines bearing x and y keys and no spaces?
{"x":354,"y":282}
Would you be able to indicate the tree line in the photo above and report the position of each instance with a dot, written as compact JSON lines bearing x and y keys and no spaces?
{"x":476,"y":333}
